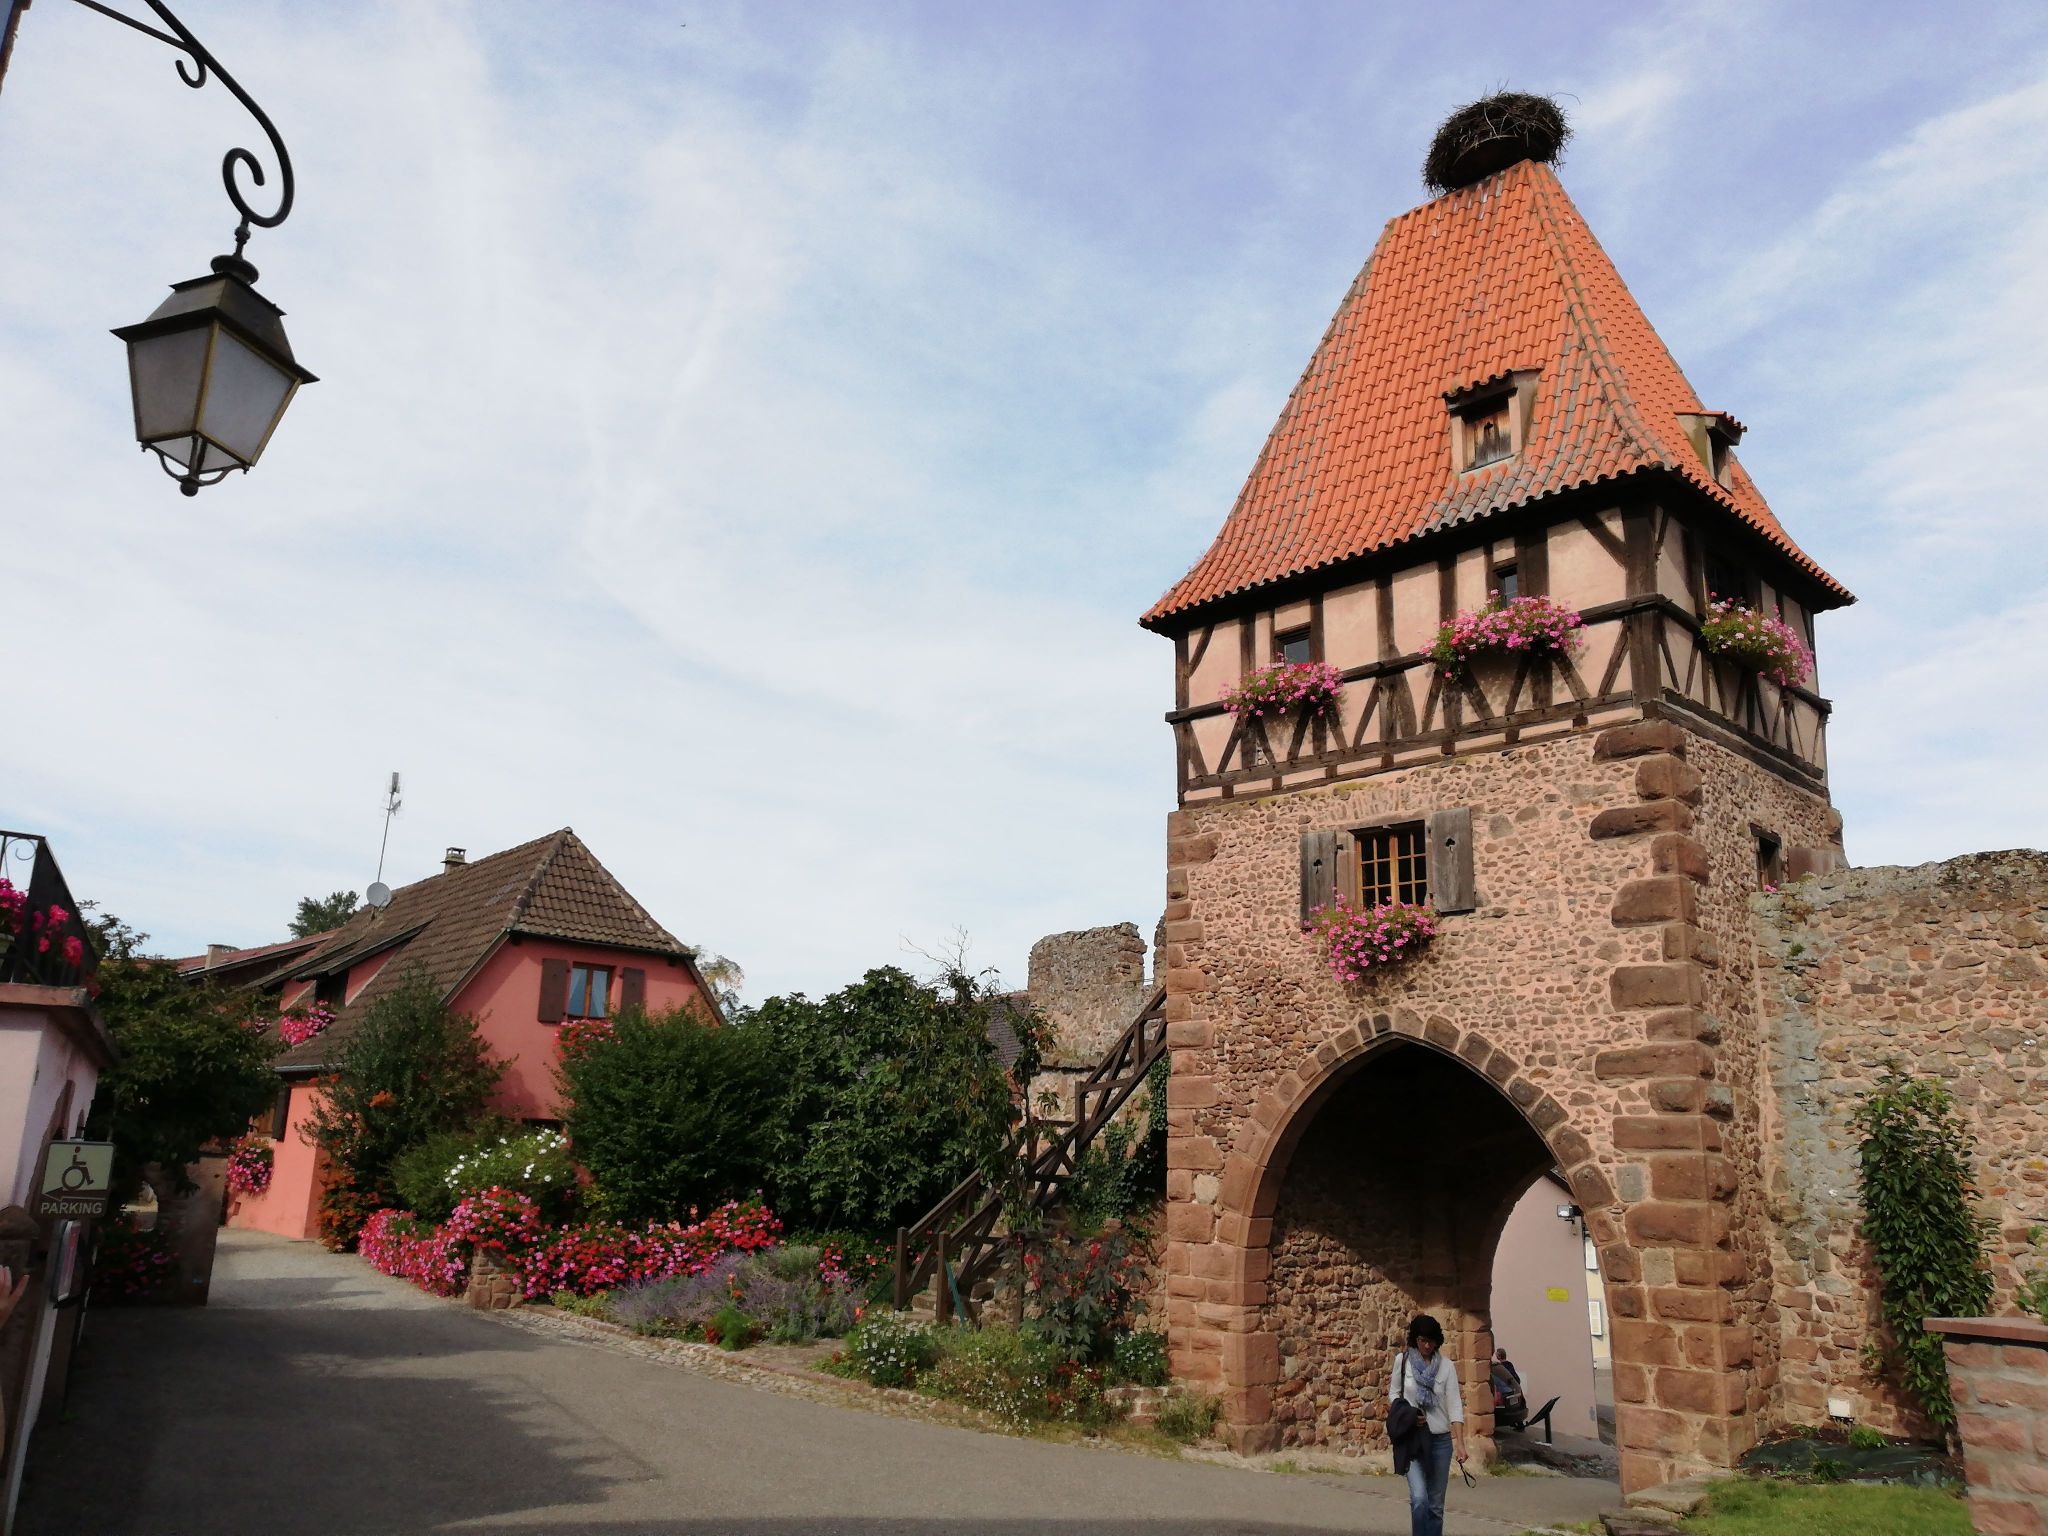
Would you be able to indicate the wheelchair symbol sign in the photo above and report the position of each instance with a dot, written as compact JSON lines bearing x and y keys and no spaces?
{"x":77,"y":1180}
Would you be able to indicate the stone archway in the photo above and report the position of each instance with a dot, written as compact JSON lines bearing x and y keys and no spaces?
{"x":1320,"y":1249}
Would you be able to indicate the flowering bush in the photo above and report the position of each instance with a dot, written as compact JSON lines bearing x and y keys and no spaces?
{"x":1287,"y":687}
{"x":1139,"y":1358}
{"x":399,"y":1244}
{"x":503,"y":1219}
{"x":889,"y":1350}
{"x":46,"y":927}
{"x":1079,"y":1292}
{"x":131,"y":1263}
{"x":602,"y":1256}
{"x":249,"y":1165}
{"x":1359,"y":940}
{"x":1756,"y":641}
{"x":299,"y":1025}
{"x":536,"y":1164}
{"x":578,"y":1035}
{"x":1533,"y":626}
{"x":1016,"y":1377}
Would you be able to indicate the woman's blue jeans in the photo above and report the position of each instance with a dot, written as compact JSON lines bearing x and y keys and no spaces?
{"x":1429,"y":1474}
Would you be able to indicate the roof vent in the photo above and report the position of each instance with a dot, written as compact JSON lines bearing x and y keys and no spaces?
{"x":454,"y":858}
{"x":215,"y":953}
{"x":1492,"y":134}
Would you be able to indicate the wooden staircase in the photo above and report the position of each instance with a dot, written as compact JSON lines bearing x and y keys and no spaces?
{"x":956,"y":1244}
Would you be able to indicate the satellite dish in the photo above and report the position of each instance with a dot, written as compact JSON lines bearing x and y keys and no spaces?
{"x":378,"y":895}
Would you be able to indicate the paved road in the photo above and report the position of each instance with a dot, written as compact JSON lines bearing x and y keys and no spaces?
{"x":314,"y":1395}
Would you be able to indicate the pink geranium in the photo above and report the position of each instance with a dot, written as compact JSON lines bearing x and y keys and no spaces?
{"x":1757,"y":641}
{"x":1286,"y":687}
{"x":1526,"y":626}
{"x":1360,"y":940}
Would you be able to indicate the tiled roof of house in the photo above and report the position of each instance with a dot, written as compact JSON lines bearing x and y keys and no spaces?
{"x":553,"y":887}
{"x":1497,"y":277}
{"x":234,"y":959}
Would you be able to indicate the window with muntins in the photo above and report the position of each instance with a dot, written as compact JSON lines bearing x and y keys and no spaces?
{"x":1391,"y":864}
{"x":590,"y":990}
{"x":1507,"y":582}
{"x":1293,"y":645}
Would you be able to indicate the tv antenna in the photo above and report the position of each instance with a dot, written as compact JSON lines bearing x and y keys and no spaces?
{"x":391,"y":804}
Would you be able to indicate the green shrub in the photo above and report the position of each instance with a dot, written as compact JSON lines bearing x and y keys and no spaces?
{"x":670,"y":1112}
{"x":598,"y":1306}
{"x":1864,"y":1438}
{"x":1124,"y":1172}
{"x":1139,"y":1358}
{"x":1189,"y":1416}
{"x":411,"y":1069}
{"x":888,"y":1349}
{"x":2033,"y":1287}
{"x":734,"y":1328}
{"x":1079,"y":1293}
{"x":420,"y":1175}
{"x":891,"y":1094}
{"x":1015,"y":1378}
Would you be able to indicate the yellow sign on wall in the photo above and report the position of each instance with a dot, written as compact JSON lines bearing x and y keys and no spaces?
{"x":1557,"y":1293}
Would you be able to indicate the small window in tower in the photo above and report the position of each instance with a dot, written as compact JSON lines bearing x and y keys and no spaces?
{"x":1392,"y":864}
{"x":1293,"y":645}
{"x":1770,"y":861}
{"x":1725,"y":579}
{"x":1507,"y":582}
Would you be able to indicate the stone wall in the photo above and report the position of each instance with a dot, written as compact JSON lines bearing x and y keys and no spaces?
{"x":1604,"y":986}
{"x":1944,"y":968}
{"x":1088,"y":985}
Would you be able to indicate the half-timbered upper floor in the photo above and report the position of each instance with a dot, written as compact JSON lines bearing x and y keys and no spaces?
{"x":1488,"y":412}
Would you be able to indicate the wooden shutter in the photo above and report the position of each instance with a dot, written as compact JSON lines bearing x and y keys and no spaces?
{"x":554,"y":990}
{"x":1318,"y":871}
{"x":281,"y":1113}
{"x":632,"y":987}
{"x":1451,"y":887}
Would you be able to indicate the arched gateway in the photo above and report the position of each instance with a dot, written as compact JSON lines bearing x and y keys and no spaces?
{"x":1489,"y":416}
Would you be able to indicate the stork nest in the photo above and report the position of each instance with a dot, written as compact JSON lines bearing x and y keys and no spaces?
{"x":1492,"y":134}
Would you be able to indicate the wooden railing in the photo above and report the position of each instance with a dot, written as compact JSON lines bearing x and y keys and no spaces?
{"x":956,"y":1244}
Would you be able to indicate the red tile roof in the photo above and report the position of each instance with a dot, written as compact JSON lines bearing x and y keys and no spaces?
{"x":449,"y":924}
{"x":283,"y":949}
{"x":1496,"y":277}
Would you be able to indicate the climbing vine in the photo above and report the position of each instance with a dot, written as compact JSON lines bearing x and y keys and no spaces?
{"x":1926,"y":1239}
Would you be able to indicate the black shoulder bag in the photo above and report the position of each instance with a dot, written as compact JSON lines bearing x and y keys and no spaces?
{"x":1401,"y":1420}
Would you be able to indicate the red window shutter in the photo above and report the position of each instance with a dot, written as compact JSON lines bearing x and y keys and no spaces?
{"x":554,"y":990}
{"x":632,"y":987}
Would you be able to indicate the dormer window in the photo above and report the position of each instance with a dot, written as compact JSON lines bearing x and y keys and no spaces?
{"x":1714,"y":435}
{"x":1489,"y":421}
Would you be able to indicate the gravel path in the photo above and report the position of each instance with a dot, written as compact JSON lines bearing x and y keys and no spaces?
{"x":314,"y":1395}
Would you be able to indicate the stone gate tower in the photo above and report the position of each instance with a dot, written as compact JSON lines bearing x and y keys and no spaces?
{"x":1488,"y":412}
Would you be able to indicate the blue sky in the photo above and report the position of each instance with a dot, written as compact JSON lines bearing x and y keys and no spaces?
{"x":748,"y":433}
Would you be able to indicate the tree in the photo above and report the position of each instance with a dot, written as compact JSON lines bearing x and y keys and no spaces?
{"x":318,"y":914}
{"x":724,"y":977}
{"x":412,"y":1067}
{"x":670,"y":1111}
{"x":891,"y":1093}
{"x":190,"y":1070}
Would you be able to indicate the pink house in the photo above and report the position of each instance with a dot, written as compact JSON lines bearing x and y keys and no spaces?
{"x":524,"y":940}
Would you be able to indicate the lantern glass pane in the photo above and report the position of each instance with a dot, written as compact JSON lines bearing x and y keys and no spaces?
{"x":245,"y":391}
{"x":166,"y":372}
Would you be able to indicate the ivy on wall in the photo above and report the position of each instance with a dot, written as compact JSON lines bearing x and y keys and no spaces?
{"x":1925,"y":1236}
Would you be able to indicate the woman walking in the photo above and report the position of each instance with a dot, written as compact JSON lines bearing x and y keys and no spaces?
{"x":1424,"y":1377}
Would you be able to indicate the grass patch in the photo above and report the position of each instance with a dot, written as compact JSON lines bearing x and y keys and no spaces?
{"x":1762,"y":1507}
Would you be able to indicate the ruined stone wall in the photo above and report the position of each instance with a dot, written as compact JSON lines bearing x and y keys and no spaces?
{"x":1603,"y":984}
{"x":1088,"y":985}
{"x":1943,"y":967}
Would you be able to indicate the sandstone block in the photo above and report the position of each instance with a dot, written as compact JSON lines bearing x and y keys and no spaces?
{"x":1658,"y":899}
{"x":1670,"y":1221}
{"x":1664,"y":776}
{"x":1651,"y":1133}
{"x":1678,"y":1096}
{"x":1198,"y":1153}
{"x":1650,"y":816}
{"x":1654,"y":986}
{"x":1639,"y":740}
{"x":1191,"y":1092}
{"x":1674,"y":853}
{"x":1683,"y":1024}
{"x":1665,"y":1059}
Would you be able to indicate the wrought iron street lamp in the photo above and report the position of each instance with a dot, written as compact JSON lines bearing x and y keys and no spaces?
{"x":210,"y":370}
